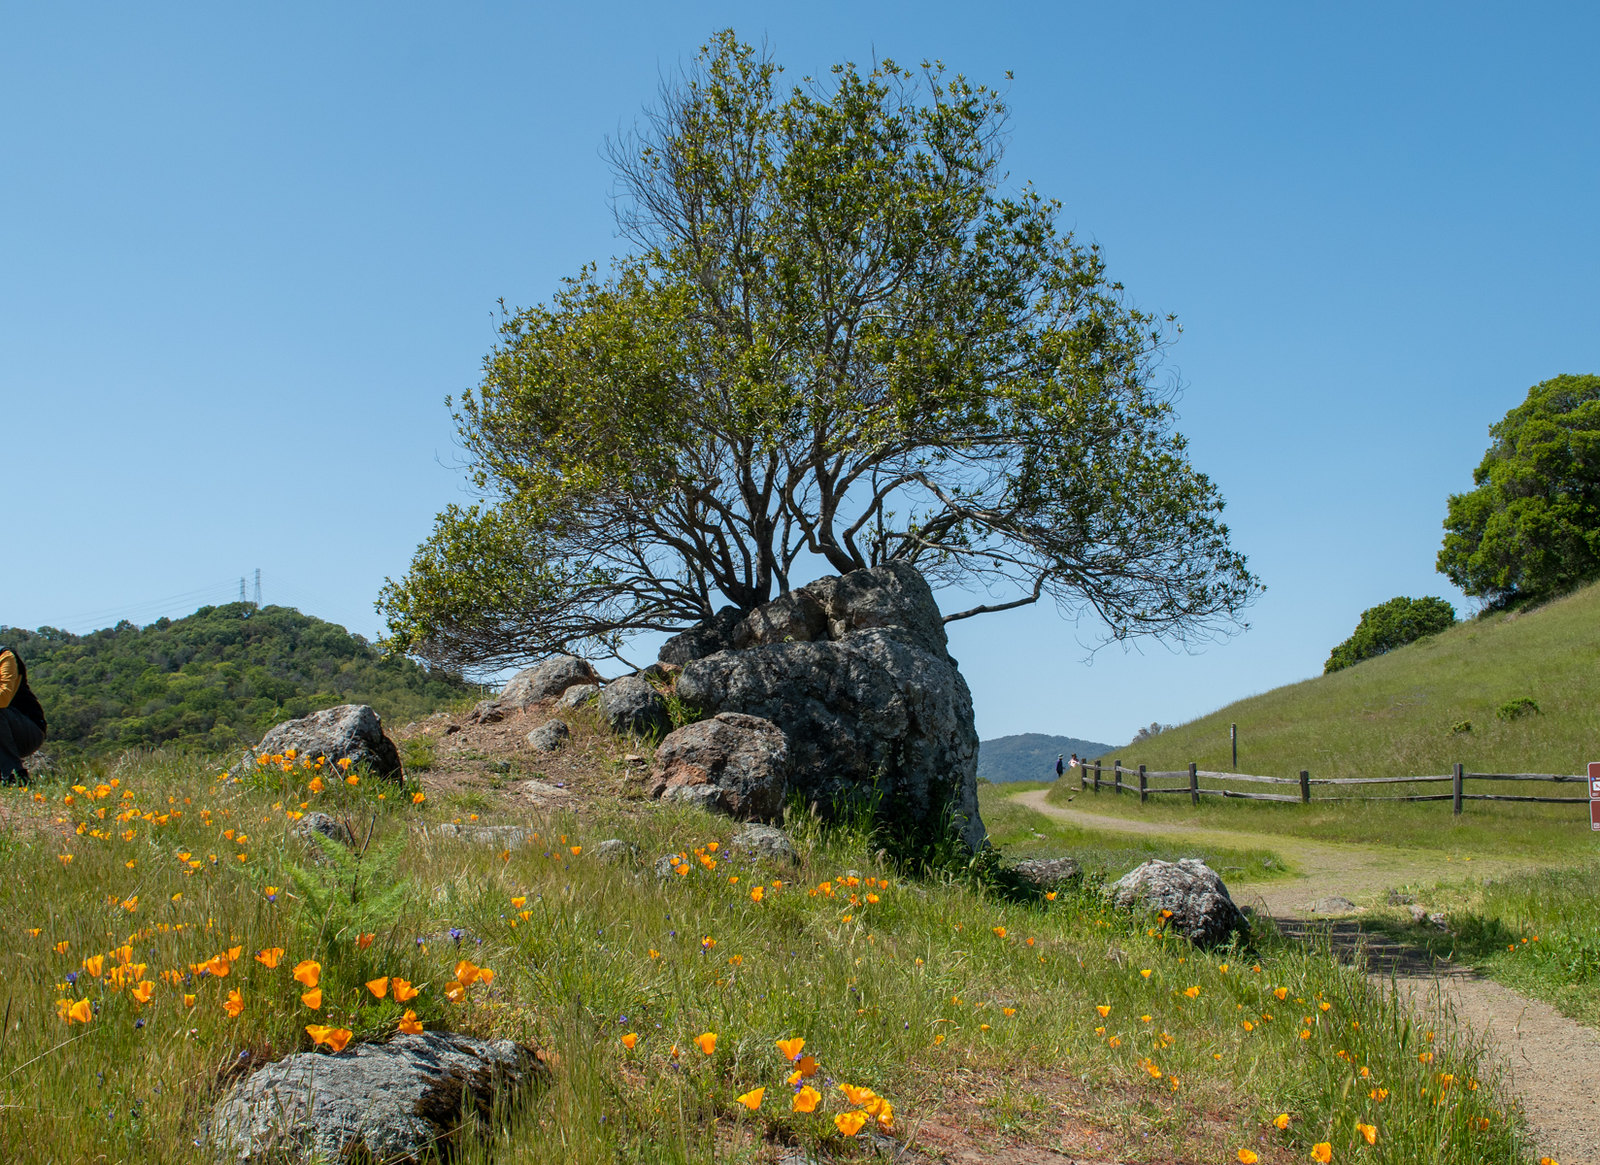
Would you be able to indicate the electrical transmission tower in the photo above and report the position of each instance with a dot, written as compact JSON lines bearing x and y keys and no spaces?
{"x":258,"y":587}
{"x":241,"y":588}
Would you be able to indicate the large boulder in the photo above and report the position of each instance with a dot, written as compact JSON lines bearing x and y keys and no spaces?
{"x":1198,"y":902}
{"x":707,"y":637}
{"x":549,"y":737}
{"x":545,"y":681}
{"x":733,"y":764}
{"x":350,"y":732}
{"x":873,"y":706}
{"x":632,"y":704}
{"x":400,"y":1101}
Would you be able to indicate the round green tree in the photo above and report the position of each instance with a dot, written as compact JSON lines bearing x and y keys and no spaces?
{"x":1531,"y":528}
{"x":836,"y":342}
{"x":1390,"y":625}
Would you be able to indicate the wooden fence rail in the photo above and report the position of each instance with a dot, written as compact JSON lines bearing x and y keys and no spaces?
{"x":1091,"y":773}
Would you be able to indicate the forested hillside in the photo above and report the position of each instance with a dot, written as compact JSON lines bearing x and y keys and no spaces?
{"x":1029,"y":756}
{"x":213,"y":680}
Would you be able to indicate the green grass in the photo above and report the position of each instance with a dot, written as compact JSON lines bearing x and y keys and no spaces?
{"x":1537,"y":932}
{"x":1541,"y":833}
{"x":1025,"y":833}
{"x":1394,"y":715}
{"x":907,"y":995}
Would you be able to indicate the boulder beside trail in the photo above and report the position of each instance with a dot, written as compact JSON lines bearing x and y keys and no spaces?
{"x":732,"y":764}
{"x":1048,"y":873}
{"x":350,"y":732}
{"x":545,"y":681}
{"x":396,"y":1102}
{"x":578,"y":695}
{"x":874,"y":708}
{"x":631,"y":704}
{"x":1201,"y":909}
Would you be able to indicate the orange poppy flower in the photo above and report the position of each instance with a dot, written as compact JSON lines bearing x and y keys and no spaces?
{"x":806,"y":1100}
{"x":269,"y":957}
{"x":312,"y":998}
{"x":379,"y":987}
{"x":629,"y":1040}
{"x":410,"y":1024}
{"x":308,"y":972}
{"x":404,"y":990}
{"x":849,"y":1123}
{"x":752,"y":1099}
{"x":706,"y":1042}
{"x":235,"y":1004}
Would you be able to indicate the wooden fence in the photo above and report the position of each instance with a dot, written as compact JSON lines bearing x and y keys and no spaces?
{"x":1127,"y":780}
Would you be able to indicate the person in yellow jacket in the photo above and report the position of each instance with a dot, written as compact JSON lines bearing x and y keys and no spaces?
{"x":22,"y":725}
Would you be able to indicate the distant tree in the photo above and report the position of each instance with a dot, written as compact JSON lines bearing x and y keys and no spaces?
{"x":1531,"y":528}
{"x":1390,"y":625}
{"x":836,"y":342}
{"x":1155,"y":728}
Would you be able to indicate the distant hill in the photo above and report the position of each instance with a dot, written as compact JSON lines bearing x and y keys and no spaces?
{"x":1030,"y":756}
{"x":1450,"y":698}
{"x":214,"y":680}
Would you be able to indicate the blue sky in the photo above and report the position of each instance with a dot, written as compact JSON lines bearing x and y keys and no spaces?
{"x":246,"y":253}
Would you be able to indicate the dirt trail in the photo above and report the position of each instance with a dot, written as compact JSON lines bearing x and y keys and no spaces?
{"x":1553,"y":1062}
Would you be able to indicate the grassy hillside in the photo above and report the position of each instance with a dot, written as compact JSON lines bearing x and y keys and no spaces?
{"x":212,"y":680}
{"x":1029,"y":756}
{"x":1404,"y":713}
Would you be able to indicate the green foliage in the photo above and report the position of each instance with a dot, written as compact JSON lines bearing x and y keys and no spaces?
{"x":1531,"y":527}
{"x":1390,"y":625}
{"x":1518,"y":708}
{"x":418,"y":754}
{"x":213,"y":681}
{"x":834,"y":341}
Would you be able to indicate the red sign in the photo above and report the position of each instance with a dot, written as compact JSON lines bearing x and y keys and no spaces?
{"x":1594,"y":796}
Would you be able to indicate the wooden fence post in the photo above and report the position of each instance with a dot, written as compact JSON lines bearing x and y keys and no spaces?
{"x":1096,"y":776}
{"x":1194,"y":785}
{"x":1305,"y":787}
{"x":1117,"y":777}
{"x":1144,"y":794}
{"x":1083,"y":775}
{"x":1455,"y":788}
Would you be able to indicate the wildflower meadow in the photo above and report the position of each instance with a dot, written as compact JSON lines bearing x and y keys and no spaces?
{"x":165,"y":929}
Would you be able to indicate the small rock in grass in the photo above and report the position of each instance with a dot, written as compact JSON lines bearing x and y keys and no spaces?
{"x":614,"y":851}
{"x":1048,"y":873}
{"x":317,"y":824}
{"x":765,"y":841}
{"x":399,"y":1101}
{"x":487,"y":712}
{"x":549,"y":737}
{"x":1332,"y":905}
{"x":504,"y":836}
{"x":1198,"y":902}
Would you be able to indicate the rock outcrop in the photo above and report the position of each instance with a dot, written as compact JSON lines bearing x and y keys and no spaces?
{"x":732,"y":764}
{"x":705,"y":638}
{"x":1198,"y":902}
{"x":545,"y":681}
{"x":856,"y":672}
{"x":395,"y":1102}
{"x":350,"y":732}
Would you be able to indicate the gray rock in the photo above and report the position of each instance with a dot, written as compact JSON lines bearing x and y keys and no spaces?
{"x":1398,"y":898}
{"x":578,"y":695}
{"x":1048,"y":873}
{"x":614,"y":851}
{"x":348,"y":732}
{"x":765,"y":841}
{"x":796,"y":617}
{"x":665,"y":865}
{"x":1418,"y":914}
{"x":549,"y":737}
{"x":732,"y":764}
{"x":502,"y":836}
{"x":487,"y":712}
{"x":707,"y":637}
{"x":317,"y":824}
{"x":400,"y":1101}
{"x":878,"y":711}
{"x":1332,"y":905}
{"x":1440,"y":920}
{"x":546,"y":680}
{"x":1201,"y":909}
{"x":631,"y":704}
{"x":542,"y":792}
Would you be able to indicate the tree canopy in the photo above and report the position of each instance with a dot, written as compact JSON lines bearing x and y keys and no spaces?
{"x":1390,"y":625}
{"x":836,"y":342}
{"x":1531,"y":527}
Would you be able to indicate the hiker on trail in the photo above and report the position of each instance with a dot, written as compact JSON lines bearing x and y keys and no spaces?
{"x":22,"y":724}
{"x":1074,"y":763}
{"x":1060,"y":767}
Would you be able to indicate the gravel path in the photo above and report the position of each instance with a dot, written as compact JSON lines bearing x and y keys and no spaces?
{"x":1553,"y":1062}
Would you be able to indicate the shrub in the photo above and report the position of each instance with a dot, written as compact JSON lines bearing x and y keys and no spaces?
{"x":1390,"y":625}
{"x":1517,"y":709}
